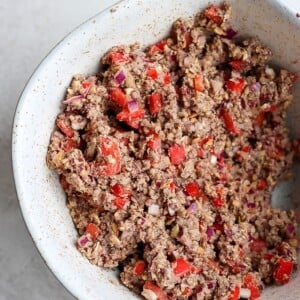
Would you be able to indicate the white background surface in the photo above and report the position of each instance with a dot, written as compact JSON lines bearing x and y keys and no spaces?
{"x":29,"y":29}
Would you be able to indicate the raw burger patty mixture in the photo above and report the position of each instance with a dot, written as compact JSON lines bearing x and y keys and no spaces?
{"x":169,"y":157}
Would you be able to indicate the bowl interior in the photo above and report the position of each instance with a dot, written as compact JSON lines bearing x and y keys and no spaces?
{"x":41,"y":198}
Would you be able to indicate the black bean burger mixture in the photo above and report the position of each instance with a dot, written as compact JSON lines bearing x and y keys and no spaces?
{"x":169,"y":158}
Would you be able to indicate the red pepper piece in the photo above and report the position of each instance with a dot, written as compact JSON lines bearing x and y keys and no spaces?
{"x":193,"y":189}
{"x":214,"y":13}
{"x":152,"y":73}
{"x":235,"y":294}
{"x":198,"y":83}
{"x":155,"y":103}
{"x":120,"y":202}
{"x":118,"y":96}
{"x":67,"y":130}
{"x":69,"y":144}
{"x":251,"y":284}
{"x":131,"y":118}
{"x":257,"y":245}
{"x":139,"y":268}
{"x":283,"y":272}
{"x":118,"y":57}
{"x":167,"y":78}
{"x":229,"y":122}
{"x":235,"y":85}
{"x":157,"y":48}
{"x":218,"y":202}
{"x":261,"y":184}
{"x":120,"y":191}
{"x":177,"y":154}
{"x":154,"y":143}
{"x":238,"y":65}
{"x":86,"y":84}
{"x":93,"y":230}
{"x":181,"y":267}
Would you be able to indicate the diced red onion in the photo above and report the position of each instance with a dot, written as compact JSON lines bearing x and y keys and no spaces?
{"x":228,"y":232}
{"x":210,"y":232}
{"x":243,"y":104}
{"x":158,"y":183}
{"x":133,"y":105}
{"x":290,"y":228}
{"x":72,"y":99}
{"x":230,"y":33}
{"x":83,"y":240}
{"x":173,"y":57}
{"x":153,"y":210}
{"x":251,"y":205}
{"x":255,"y":87}
{"x":193,"y":207}
{"x":120,"y":76}
{"x":210,"y":285}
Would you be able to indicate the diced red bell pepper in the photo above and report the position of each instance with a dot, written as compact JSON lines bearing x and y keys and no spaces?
{"x":63,"y":182}
{"x":155,"y":103}
{"x":157,"y":48}
{"x":181,"y":267}
{"x":276,"y":153}
{"x":120,"y":202}
{"x":93,"y":230}
{"x":251,"y":284}
{"x":86,"y":84}
{"x":268,"y":256}
{"x":167,"y":78}
{"x":110,"y":148}
{"x":152,"y":73}
{"x":246,"y":149}
{"x":218,"y":202}
{"x":257,"y":245}
{"x":172,"y":186}
{"x":118,"y":96}
{"x":187,"y":292}
{"x":201,"y":144}
{"x":188,"y":39}
{"x":214,"y":13}
{"x":283,"y":272}
{"x":235,"y":294}
{"x":154,"y":143}
{"x":120,"y":190}
{"x":198,"y":83}
{"x":261,"y":184}
{"x":229,"y":124}
{"x":260,"y":118}
{"x":235,"y":85}
{"x":67,"y":130}
{"x":118,"y":57}
{"x":69,"y":144}
{"x":239,"y":65}
{"x":139,"y":268}
{"x":131,"y":118}
{"x":160,"y":294}
{"x":177,"y":154}
{"x":193,"y":189}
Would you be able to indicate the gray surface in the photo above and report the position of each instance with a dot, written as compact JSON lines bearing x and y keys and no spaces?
{"x":29,"y":29}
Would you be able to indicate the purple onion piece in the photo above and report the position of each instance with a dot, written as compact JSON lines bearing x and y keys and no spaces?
{"x":290,"y":228}
{"x":120,"y":76}
{"x":83,"y":240}
{"x":210,"y":285}
{"x":133,"y":105}
{"x":255,"y":87}
{"x":72,"y":99}
{"x":193,"y":207}
{"x":243,"y":104}
{"x":158,"y":183}
{"x":251,"y":205}
{"x":210,"y":232}
{"x":230,"y":33}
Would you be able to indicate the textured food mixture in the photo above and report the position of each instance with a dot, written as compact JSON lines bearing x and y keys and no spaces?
{"x":169,"y":157}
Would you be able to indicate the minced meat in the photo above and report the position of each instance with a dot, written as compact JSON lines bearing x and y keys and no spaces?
{"x":169,"y":157}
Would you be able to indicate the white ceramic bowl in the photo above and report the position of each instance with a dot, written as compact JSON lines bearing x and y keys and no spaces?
{"x":41,"y":198}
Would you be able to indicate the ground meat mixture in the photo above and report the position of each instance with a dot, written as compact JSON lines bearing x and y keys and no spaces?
{"x":169,"y":157}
